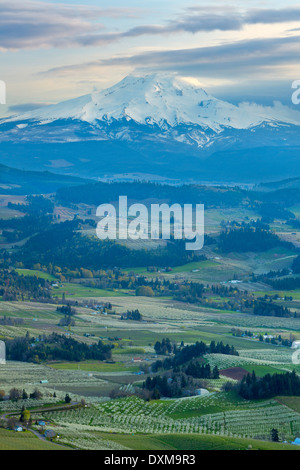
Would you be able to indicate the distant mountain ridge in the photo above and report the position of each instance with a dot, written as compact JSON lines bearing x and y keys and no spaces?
{"x":15,"y":181}
{"x":291,"y":183}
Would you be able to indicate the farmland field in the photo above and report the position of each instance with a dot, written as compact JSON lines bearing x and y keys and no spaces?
{"x":184,"y":442}
{"x":208,"y":300}
{"x":190,"y":416}
{"x":219,"y":420}
{"x":10,"y":440}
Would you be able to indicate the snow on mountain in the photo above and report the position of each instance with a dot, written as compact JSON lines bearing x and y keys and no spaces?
{"x":164,"y":100}
{"x":162,"y":125}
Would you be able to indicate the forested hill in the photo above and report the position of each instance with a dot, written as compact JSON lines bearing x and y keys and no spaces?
{"x":99,"y":192}
{"x":19,"y":182}
{"x":271,"y":204}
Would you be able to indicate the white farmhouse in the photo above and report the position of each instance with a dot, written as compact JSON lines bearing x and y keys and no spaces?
{"x":201,"y":392}
{"x":296,"y":345}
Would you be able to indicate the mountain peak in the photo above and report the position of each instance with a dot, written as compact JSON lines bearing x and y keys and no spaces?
{"x":160,"y":82}
{"x":160,"y":99}
{"x":164,"y":100}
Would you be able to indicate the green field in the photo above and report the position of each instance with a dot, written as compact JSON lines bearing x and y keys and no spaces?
{"x":95,"y":366}
{"x":11,"y":440}
{"x":128,"y":351}
{"x":294,"y":293}
{"x":73,"y":290}
{"x":220,"y":267}
{"x":32,"y":272}
{"x":291,"y":402}
{"x":113,"y":405}
{"x":260,"y":371}
{"x":184,"y":442}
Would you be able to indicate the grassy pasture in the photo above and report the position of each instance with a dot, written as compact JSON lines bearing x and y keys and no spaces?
{"x":74,"y":290}
{"x":92,"y":366}
{"x":291,"y":402}
{"x":36,"y":273}
{"x":10,"y":440}
{"x":294,"y":293}
{"x":188,"y":442}
{"x":260,"y":370}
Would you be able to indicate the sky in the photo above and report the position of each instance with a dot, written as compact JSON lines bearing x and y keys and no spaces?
{"x":52,"y":51}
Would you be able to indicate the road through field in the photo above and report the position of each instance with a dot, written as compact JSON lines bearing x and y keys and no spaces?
{"x":5,"y":417}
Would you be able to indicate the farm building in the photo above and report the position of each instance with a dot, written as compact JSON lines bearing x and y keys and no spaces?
{"x":137,"y":359}
{"x":18,"y":428}
{"x":201,"y":392}
{"x":296,"y":345}
{"x":296,"y":442}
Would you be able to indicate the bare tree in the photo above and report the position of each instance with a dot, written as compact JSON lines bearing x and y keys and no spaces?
{"x":11,"y":423}
{"x":15,"y":394}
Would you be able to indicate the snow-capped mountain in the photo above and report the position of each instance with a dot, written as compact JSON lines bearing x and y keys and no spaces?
{"x":162,"y":100}
{"x":156,"y":115}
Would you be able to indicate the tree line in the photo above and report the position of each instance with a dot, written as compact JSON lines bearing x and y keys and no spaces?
{"x":54,"y":347}
{"x":184,"y":354}
{"x":269,"y":386}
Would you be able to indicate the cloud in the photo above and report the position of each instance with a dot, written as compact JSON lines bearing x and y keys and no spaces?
{"x":245,"y":58}
{"x":23,"y":108}
{"x":34,"y":24}
{"x":204,"y":19}
{"x":200,"y":19}
{"x":278,"y":111}
{"x":271,"y":16}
